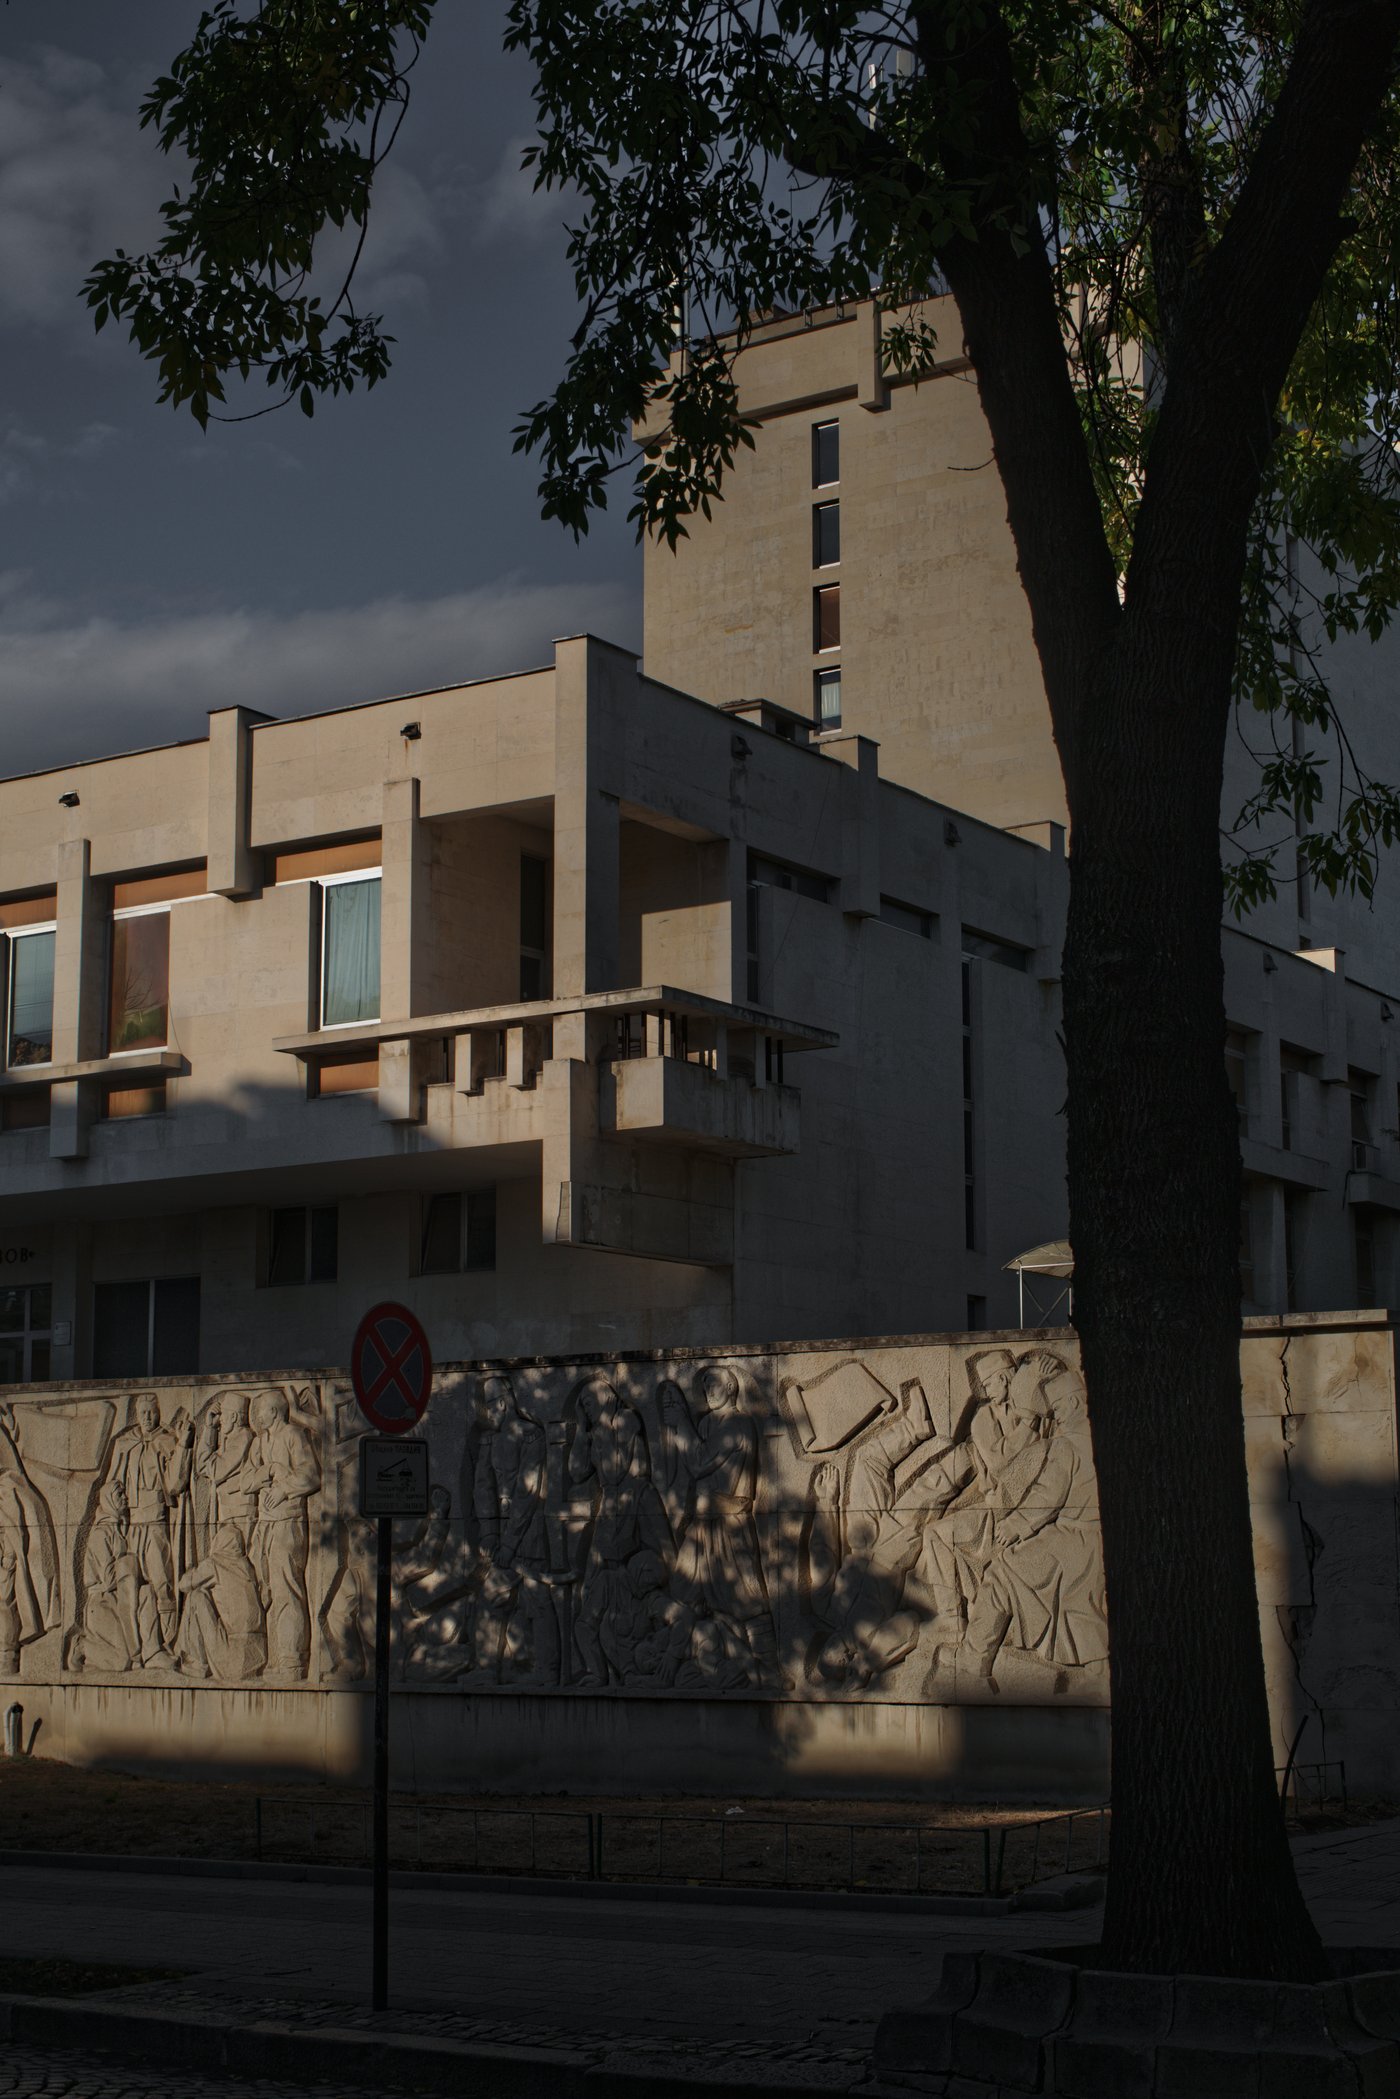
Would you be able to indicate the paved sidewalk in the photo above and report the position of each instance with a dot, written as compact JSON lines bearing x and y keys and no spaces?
{"x":622,"y":1994}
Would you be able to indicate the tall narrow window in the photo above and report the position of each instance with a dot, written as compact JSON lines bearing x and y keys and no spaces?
{"x":26,"y":1327}
{"x":1364,"y":1246}
{"x":826,"y":616}
{"x":826,"y":535}
{"x":1247,"y":1245}
{"x":1237,"y":1070}
{"x":827,"y":703}
{"x":349,"y":950}
{"x":1361,"y":1088}
{"x":826,"y":454}
{"x":1293,"y":1248}
{"x":534,"y":926}
{"x":440,"y":1248}
{"x":1295,"y":1066}
{"x":480,"y":1248}
{"x":969,"y":1127}
{"x":304,"y":1245}
{"x":30,"y":1038}
{"x":138,"y":1008}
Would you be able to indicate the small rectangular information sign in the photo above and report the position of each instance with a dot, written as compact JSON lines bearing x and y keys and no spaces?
{"x":393,"y":1476}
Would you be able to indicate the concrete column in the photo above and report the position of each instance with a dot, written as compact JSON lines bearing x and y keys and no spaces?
{"x":590,"y":689}
{"x":72,"y":1300}
{"x":79,"y":993}
{"x":234,"y":868}
{"x":860,"y":823}
{"x":405,"y":932}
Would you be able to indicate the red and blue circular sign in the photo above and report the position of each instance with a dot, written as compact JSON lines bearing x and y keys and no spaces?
{"x":391,"y":1369}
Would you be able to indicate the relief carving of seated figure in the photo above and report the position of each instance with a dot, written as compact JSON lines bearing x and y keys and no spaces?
{"x":645,"y":1633}
{"x":222,"y":1624}
{"x":107,"y":1637}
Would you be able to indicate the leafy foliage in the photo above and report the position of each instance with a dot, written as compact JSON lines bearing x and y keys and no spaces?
{"x":725,"y":160}
{"x":285,"y":116}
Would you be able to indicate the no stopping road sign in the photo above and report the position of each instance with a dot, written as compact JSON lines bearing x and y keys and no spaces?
{"x":391,"y":1369}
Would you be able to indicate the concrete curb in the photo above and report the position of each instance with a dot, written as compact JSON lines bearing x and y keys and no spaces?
{"x":855,"y":1899}
{"x":374,"y":2061}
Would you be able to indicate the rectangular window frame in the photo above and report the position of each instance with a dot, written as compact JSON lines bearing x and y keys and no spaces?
{"x":119,"y":917}
{"x":307,"y":1278}
{"x":831,"y":425}
{"x":48,"y":930}
{"x":342,"y":881}
{"x":153,"y":1286}
{"x":824,"y":682}
{"x":825,"y":598}
{"x":822,"y":515}
{"x":30,"y":1333}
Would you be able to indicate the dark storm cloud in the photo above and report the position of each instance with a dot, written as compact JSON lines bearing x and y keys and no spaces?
{"x":148,"y":571}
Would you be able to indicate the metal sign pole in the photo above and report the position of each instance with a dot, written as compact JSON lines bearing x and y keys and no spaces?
{"x":380,"y":1986}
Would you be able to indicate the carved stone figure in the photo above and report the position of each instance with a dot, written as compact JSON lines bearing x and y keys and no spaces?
{"x":719,"y":1568}
{"x":224,"y":1461}
{"x":435,"y":1592}
{"x":222,"y":1625}
{"x":610,"y":1454}
{"x":29,"y":1604}
{"x":1043,"y":1590}
{"x":508,"y":1501}
{"x":151,"y":1464}
{"x":286,"y":1473}
{"x":107,"y":1636}
{"x":347,"y":1615}
{"x":646,"y":1634}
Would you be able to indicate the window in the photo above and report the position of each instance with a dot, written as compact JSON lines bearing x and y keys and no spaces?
{"x":976,"y":1314}
{"x":1363,"y":1229}
{"x":826,"y":454}
{"x":29,"y":1110}
{"x":777,"y":874}
{"x":1237,"y":1070}
{"x":1362,"y":1153}
{"x":146,"y":1329}
{"x":969,"y":1128}
{"x":26,"y":1329}
{"x":1247,"y":1291}
{"x":1295,"y":1066}
{"x":986,"y":948}
{"x":30,"y":1035}
{"x":826,"y":616}
{"x":906,"y":917}
{"x":534,"y":926}
{"x":304,"y":1245}
{"x":349,"y":949}
{"x":826,"y":705}
{"x":459,"y":1232}
{"x":1293,"y":1247}
{"x":139,"y":985}
{"x":119,"y":1102}
{"x":826,"y":535}
{"x":352,"y":1074}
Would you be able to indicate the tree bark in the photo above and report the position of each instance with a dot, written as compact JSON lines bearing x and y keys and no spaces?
{"x":1140,"y":695}
{"x":1201,"y":1878}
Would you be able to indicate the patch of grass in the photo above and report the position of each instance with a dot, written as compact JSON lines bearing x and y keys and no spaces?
{"x":55,"y":1978}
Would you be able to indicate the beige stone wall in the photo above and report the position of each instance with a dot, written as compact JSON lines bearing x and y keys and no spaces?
{"x":851,"y":1566}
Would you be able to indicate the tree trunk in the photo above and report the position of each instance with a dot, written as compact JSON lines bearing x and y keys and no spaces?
{"x":1202,"y":1879}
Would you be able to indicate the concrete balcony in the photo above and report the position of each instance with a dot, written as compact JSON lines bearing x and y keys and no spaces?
{"x":682,"y":1103}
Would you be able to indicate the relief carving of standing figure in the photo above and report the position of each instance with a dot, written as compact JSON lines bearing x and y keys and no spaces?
{"x":287,"y":1473}
{"x":719,"y":1566}
{"x":223,"y":1462}
{"x":610,"y":1452}
{"x":151,"y":1464}
{"x":508,"y":1502}
{"x":29,"y":1603}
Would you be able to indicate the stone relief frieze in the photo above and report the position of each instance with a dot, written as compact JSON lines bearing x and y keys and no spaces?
{"x":908,"y":1524}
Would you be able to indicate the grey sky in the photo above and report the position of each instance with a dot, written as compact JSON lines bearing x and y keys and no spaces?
{"x":148,"y":572}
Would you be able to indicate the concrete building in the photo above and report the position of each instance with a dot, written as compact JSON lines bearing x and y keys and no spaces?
{"x":580,"y":1015}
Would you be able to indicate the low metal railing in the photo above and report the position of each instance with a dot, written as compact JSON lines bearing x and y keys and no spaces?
{"x":722,"y":1849}
{"x":1313,"y":1786}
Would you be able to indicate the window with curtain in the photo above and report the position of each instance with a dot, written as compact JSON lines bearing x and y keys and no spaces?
{"x":30,"y":1039}
{"x":139,"y":1000}
{"x":349,"y":952}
